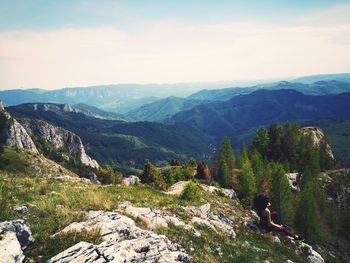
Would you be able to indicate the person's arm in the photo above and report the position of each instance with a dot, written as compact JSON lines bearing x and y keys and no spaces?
{"x":269,"y":221}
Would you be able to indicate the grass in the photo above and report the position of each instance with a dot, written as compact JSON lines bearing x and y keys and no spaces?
{"x":52,"y":205}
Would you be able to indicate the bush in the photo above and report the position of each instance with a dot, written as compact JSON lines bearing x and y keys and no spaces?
{"x":108,"y":176}
{"x":191,"y":193}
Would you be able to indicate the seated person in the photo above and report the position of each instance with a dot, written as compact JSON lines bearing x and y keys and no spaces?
{"x":270,"y":221}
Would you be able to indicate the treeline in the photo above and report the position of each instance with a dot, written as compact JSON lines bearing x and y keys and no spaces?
{"x":263,"y":168}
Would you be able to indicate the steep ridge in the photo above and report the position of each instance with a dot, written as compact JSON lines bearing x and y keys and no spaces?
{"x":13,"y":134}
{"x":59,"y":138}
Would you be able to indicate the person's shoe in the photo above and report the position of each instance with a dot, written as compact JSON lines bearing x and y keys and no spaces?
{"x":299,"y":238}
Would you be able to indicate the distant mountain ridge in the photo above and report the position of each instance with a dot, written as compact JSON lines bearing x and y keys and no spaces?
{"x":262,"y":107}
{"x":162,"y":109}
{"x":316,"y":88}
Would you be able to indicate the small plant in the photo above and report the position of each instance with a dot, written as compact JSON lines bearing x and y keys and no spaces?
{"x":191,"y":192}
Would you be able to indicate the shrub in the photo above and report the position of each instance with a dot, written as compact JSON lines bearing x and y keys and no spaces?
{"x":191,"y":193}
{"x":108,"y":176}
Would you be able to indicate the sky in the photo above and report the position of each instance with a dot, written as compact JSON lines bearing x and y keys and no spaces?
{"x":67,"y":43}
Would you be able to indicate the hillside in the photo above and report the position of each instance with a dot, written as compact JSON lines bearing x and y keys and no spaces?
{"x":66,"y":217}
{"x":121,"y":142}
{"x":260,"y":108}
{"x":162,"y":109}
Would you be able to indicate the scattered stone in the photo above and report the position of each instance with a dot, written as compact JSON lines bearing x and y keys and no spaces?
{"x":16,"y":236}
{"x":131,"y":180}
{"x":312,"y":255}
{"x":20,"y":209}
{"x":123,"y":242}
{"x":276,"y":240}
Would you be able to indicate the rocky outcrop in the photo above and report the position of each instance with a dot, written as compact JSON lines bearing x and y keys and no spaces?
{"x":15,"y":236}
{"x":12,"y":133}
{"x":123,"y":242}
{"x":230,"y":193}
{"x":131,"y":180}
{"x":59,"y":138}
{"x":319,"y":139}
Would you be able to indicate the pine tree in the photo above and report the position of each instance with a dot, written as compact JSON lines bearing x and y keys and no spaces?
{"x":242,"y":155}
{"x":149,"y":174}
{"x":224,"y":178}
{"x":259,"y":169}
{"x":261,"y":141}
{"x":225,"y":155}
{"x":275,"y":135}
{"x":246,"y":182}
{"x":281,"y":193}
{"x":307,"y":215}
{"x":289,"y":144}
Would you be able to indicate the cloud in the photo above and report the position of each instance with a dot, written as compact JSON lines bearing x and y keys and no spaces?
{"x":172,"y":52}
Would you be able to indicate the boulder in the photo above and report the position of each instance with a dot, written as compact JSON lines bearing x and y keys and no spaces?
{"x":131,"y":180}
{"x":15,"y":236}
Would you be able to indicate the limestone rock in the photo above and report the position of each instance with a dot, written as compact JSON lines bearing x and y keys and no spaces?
{"x":292,"y":178}
{"x":123,"y":242}
{"x":131,"y":180}
{"x":311,"y":254}
{"x":16,"y":237}
{"x":319,"y":139}
{"x":177,"y":188}
{"x":59,"y":138}
{"x":13,"y":134}
{"x":230,"y":193}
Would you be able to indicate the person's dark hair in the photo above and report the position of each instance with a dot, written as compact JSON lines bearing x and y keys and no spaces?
{"x":260,"y":203}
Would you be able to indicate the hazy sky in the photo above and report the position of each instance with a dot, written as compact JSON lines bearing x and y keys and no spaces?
{"x":54,"y":44}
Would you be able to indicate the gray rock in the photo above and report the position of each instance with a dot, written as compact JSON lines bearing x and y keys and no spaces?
{"x":20,"y":209}
{"x":312,"y":255}
{"x":230,"y":193}
{"x":123,"y":242}
{"x":59,"y":138}
{"x":16,"y":237}
{"x":131,"y":180}
{"x":319,"y":139}
{"x":13,"y":134}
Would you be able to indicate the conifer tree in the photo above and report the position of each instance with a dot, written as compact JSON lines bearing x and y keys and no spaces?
{"x":225,"y":155}
{"x":246,"y":182}
{"x":281,"y":193}
{"x":259,"y":170}
{"x":149,"y":174}
{"x":203,"y":171}
{"x":307,"y":214}
{"x":275,"y":135}
{"x":242,"y":155}
{"x":261,"y":141}
{"x":224,"y":178}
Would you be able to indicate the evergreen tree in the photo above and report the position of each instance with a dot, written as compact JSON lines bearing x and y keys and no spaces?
{"x":261,"y":141}
{"x":259,"y":169}
{"x":274,"y":149}
{"x":225,"y":155}
{"x":224,"y":178}
{"x":289,"y":145}
{"x":307,"y":214}
{"x":246,"y":182}
{"x":281,"y":193}
{"x":149,"y":174}
{"x":242,"y":155}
